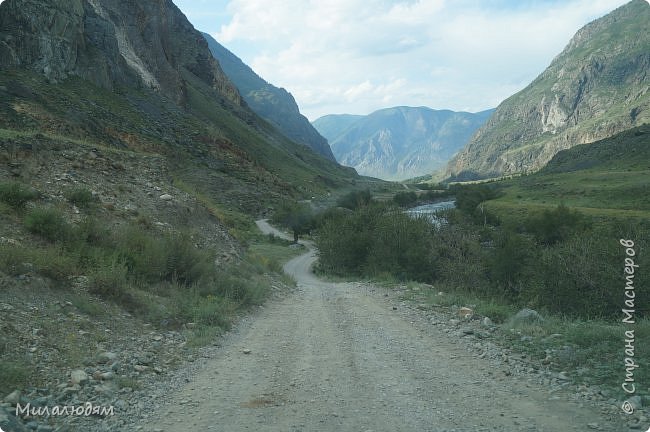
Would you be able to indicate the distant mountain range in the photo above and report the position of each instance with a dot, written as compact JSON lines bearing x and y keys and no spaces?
{"x":401,"y":142}
{"x":275,"y":105}
{"x":597,"y":86}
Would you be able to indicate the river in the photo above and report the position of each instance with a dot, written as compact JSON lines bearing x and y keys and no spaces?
{"x":431,"y":210}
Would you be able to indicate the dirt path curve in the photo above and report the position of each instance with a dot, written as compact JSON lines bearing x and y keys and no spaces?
{"x":337,"y":357}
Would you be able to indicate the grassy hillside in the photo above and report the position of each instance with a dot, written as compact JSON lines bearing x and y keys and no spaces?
{"x":606,"y":179}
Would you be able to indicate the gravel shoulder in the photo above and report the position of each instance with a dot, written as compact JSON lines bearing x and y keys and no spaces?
{"x":344,"y":357}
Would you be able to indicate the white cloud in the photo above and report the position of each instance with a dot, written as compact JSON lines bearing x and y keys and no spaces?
{"x":357,"y":56}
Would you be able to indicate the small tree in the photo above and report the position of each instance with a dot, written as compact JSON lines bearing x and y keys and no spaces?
{"x":469,"y":197}
{"x":298,"y":217}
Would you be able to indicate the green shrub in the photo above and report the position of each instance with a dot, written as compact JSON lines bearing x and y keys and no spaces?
{"x":578,"y":278}
{"x":144,"y":255}
{"x":240,"y":288}
{"x":404,"y":247}
{"x":378,"y":240}
{"x":13,"y":259}
{"x":557,"y":225}
{"x":508,"y":262}
{"x":185,"y":262}
{"x":16,"y":194}
{"x":462,"y":263}
{"x":47,"y":222}
{"x":92,"y":232}
{"x":469,"y":197}
{"x":165,"y":257}
{"x":56,"y":264}
{"x":345,"y":241}
{"x":81,"y":197}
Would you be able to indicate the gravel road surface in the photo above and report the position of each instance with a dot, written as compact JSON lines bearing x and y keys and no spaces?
{"x":339,"y":357}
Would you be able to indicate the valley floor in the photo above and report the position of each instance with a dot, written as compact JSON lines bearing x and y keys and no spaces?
{"x":348,"y":357}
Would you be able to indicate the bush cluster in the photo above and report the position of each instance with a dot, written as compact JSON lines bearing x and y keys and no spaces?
{"x":377,"y":239}
{"x":557,"y":260}
{"x":16,"y":194}
{"x":81,"y":197}
{"x":47,"y":222}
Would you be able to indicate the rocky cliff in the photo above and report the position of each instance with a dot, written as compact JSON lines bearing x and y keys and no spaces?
{"x":276,"y":105}
{"x":401,"y":142}
{"x":109,"y":42}
{"x":596,"y":87}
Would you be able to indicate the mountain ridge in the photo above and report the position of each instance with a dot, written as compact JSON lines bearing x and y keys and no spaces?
{"x":597,"y":86}
{"x":276,"y":105}
{"x":399,"y":142}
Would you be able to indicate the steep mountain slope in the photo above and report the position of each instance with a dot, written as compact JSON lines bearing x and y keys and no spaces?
{"x":597,"y":86}
{"x":155,"y":46}
{"x":275,"y":105}
{"x":136,"y":75}
{"x":402,"y":142}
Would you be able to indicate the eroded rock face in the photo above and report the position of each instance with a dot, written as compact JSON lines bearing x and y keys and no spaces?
{"x":131,"y":42}
{"x":598,"y":86}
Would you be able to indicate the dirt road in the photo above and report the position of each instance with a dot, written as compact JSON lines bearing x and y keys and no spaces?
{"x":338,"y":357}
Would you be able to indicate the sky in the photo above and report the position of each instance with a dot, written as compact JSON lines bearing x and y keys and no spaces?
{"x":357,"y":56}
